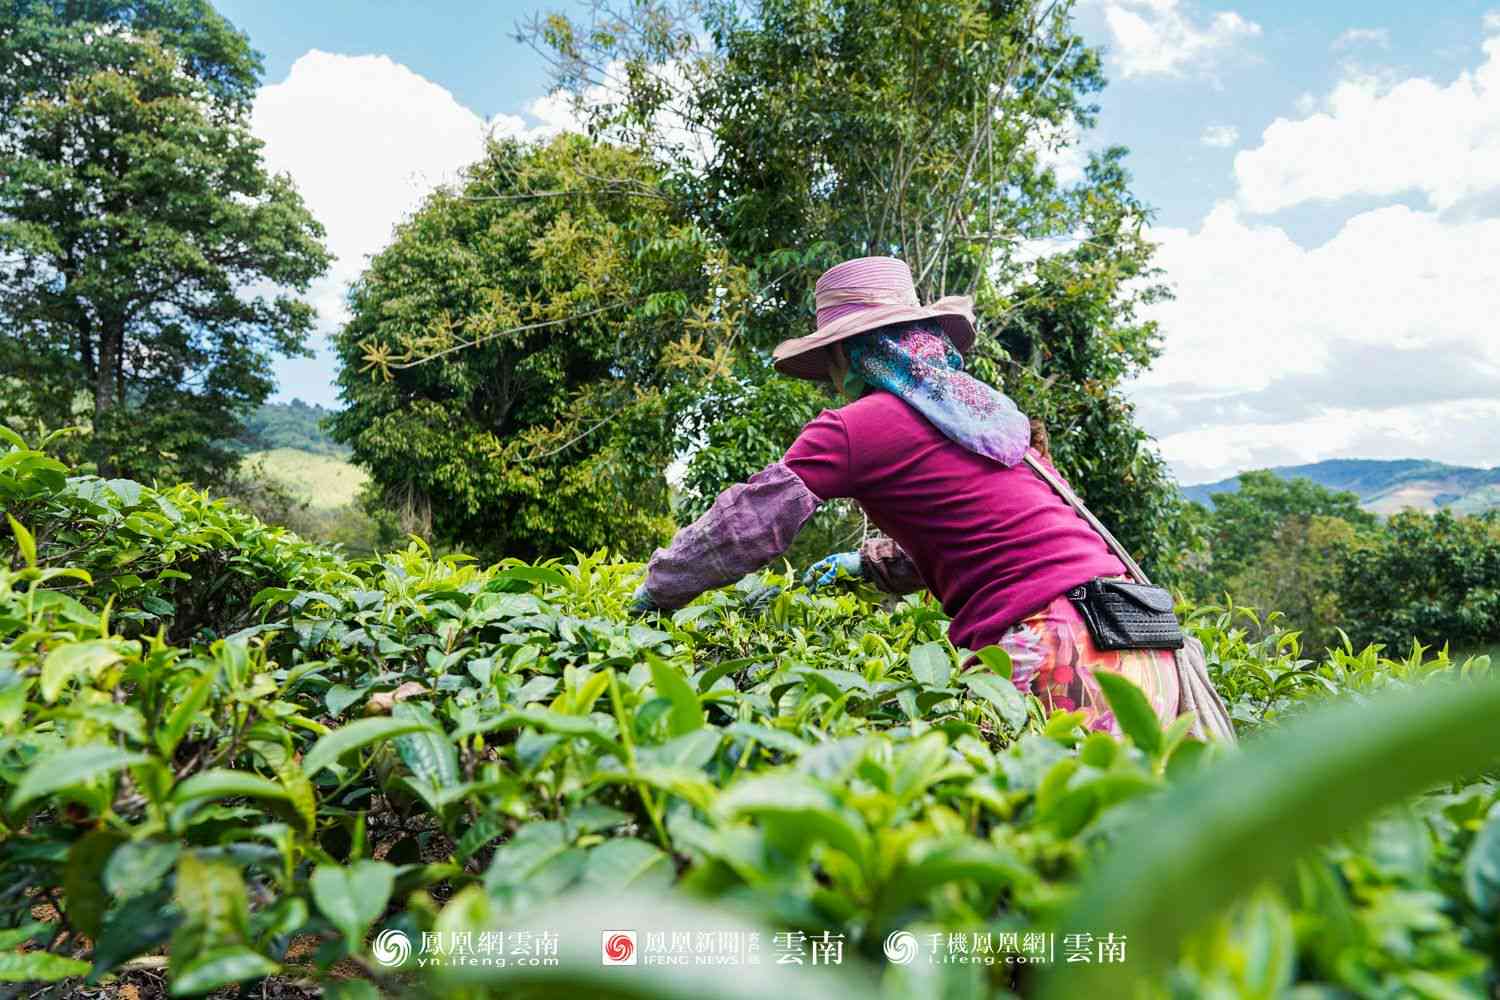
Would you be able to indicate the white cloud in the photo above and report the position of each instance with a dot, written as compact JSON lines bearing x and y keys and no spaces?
{"x":365,"y":139}
{"x":1378,"y":37}
{"x":1375,"y":138}
{"x":551,"y":114}
{"x":1220,"y":136}
{"x":1163,"y":38}
{"x":1377,"y":344}
{"x":1062,"y":150}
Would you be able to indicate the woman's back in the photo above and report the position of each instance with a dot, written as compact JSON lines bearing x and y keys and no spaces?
{"x":992,"y":543}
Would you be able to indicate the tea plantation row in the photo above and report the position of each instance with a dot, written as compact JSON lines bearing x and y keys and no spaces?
{"x":226,"y":755}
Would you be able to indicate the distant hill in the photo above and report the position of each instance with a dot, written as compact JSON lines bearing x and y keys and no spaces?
{"x":1385,"y":487}
{"x":289,"y":425}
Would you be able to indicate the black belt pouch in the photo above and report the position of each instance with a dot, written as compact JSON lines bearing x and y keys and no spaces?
{"x":1122,"y":615}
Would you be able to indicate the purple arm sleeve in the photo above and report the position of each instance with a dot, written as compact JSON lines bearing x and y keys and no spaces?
{"x":888,"y":567}
{"x":748,"y":526}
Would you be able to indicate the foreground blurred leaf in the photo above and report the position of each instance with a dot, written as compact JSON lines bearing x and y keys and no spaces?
{"x":1220,"y":833}
{"x":38,"y":967}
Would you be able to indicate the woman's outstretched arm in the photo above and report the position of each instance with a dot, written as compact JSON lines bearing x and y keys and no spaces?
{"x":749,"y":525}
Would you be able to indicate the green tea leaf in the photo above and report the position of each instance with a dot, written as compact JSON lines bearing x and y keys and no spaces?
{"x":299,"y":792}
{"x":24,"y":541}
{"x":341,"y":696}
{"x":140,"y":866}
{"x":83,"y":879}
{"x":351,"y":898}
{"x":427,"y":752}
{"x":212,"y":893}
{"x":1001,"y":693}
{"x":944,"y":862}
{"x":12,"y":697}
{"x":76,"y":659}
{"x":1482,"y":865}
{"x":38,"y":967}
{"x":1134,"y":713}
{"x":776,"y":739}
{"x":529,"y":574}
{"x":33,"y":930}
{"x":625,"y":861}
{"x":356,"y":734}
{"x":218,"y":967}
{"x":801,"y":811}
{"x":687,"y":713}
{"x":69,"y":769}
{"x":221,"y":782}
{"x":931,"y":665}
{"x":185,"y":713}
{"x":996,"y":659}
{"x":140,"y":924}
{"x":272,"y":595}
{"x":689,"y":751}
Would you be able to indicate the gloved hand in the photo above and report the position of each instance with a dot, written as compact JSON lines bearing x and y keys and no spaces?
{"x":756,"y":601}
{"x":641,"y":601}
{"x":825,"y":571}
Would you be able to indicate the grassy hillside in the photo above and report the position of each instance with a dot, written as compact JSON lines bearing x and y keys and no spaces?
{"x":1385,"y":487}
{"x":324,"y":481}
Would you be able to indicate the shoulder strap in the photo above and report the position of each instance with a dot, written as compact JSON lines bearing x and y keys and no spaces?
{"x":1062,"y":490}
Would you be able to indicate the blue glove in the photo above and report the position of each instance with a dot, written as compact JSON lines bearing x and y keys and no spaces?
{"x":825,"y":571}
{"x":641,"y":601}
{"x":756,"y":601}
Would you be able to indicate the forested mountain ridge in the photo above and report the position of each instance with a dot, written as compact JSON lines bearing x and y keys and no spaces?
{"x":296,"y":425}
{"x":1385,"y":487}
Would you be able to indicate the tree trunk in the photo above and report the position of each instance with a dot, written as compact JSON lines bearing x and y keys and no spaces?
{"x":106,"y":397}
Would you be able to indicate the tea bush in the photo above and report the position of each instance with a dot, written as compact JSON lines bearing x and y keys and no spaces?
{"x":240,"y":755}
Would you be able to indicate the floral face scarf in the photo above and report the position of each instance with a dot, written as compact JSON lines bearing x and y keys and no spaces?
{"x":924,"y":368}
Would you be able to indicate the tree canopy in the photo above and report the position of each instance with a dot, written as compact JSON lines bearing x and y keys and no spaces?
{"x":152,"y":265}
{"x":804,"y":132}
{"x":517,"y":357}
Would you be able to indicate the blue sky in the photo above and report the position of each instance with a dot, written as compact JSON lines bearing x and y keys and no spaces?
{"x":1326,"y":180}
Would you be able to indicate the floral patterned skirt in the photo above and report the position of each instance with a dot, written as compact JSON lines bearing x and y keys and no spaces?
{"x":1054,"y":657}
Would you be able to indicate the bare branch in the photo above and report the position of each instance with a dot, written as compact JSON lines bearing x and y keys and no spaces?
{"x":515,"y":329}
{"x":572,"y":441}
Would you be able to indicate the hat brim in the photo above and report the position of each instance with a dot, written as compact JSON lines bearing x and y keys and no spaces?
{"x":808,"y":357}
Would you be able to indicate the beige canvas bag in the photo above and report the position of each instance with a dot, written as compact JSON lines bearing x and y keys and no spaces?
{"x":1196,"y":692}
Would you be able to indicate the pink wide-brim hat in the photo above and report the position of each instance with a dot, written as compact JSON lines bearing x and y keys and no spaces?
{"x":860,"y":295}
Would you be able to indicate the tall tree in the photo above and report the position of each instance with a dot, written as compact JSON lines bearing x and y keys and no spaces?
{"x":151,"y":264}
{"x":1434,"y":578}
{"x":1244,"y":522}
{"x":518,"y":357}
{"x":944,"y":132}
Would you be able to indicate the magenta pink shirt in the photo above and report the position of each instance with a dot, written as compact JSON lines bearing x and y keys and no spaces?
{"x":993,"y":544}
